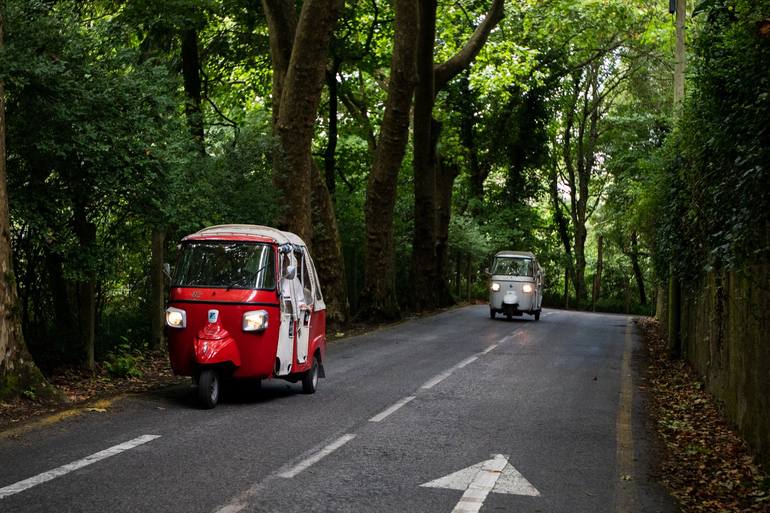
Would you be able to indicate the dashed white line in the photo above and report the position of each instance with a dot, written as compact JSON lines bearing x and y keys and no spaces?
{"x":316,"y":457}
{"x":435,"y":380}
{"x":490,"y":348}
{"x":385,"y":413}
{"x":465,"y":362}
{"x":75,"y":465}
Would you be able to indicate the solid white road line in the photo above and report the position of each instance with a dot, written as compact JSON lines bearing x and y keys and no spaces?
{"x":316,"y":457}
{"x":385,"y":413}
{"x":75,"y":465}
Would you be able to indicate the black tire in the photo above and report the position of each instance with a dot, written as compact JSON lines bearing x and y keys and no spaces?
{"x":537,"y":315}
{"x":209,"y":387}
{"x":509,"y":316}
{"x":492,"y":313}
{"x":310,"y":378}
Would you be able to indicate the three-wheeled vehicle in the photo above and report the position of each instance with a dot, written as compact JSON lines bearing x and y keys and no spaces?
{"x":245,"y":303}
{"x":516,"y":285}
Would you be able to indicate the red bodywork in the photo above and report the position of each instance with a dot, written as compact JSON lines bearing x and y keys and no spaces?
{"x":248,"y":354}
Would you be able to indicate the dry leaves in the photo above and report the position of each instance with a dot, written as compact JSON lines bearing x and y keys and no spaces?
{"x":80,"y":386}
{"x":705,"y":464}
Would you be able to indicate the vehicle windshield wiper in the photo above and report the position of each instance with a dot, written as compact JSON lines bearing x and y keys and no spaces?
{"x":255,"y":274}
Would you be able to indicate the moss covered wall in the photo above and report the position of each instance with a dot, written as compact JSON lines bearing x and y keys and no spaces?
{"x":726,"y":336}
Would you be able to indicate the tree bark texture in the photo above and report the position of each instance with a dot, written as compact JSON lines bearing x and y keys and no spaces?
{"x":298,"y":106}
{"x":582,"y":118}
{"x":445,"y":178}
{"x":634,"y":256}
{"x":85,"y":231}
{"x":192,"y":87}
{"x":423,"y":244}
{"x":327,"y":253}
{"x":597,"y":289}
{"x":18,"y":372}
{"x":158,"y":290}
{"x":425,"y":266}
{"x":330,"y":153}
{"x":298,"y":49}
{"x":378,"y":298}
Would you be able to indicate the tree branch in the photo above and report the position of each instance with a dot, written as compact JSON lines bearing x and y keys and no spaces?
{"x":446,"y":71}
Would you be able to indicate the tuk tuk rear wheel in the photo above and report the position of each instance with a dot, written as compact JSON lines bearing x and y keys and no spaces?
{"x":537,"y":315}
{"x":310,"y":378}
{"x":492,"y":313}
{"x":208,"y":388}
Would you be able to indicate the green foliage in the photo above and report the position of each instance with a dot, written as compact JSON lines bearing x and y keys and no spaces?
{"x":123,"y":362}
{"x":715,"y":186}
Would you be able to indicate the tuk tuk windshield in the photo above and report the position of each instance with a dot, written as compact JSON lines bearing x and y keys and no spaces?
{"x":231,"y":265}
{"x":513,"y":266}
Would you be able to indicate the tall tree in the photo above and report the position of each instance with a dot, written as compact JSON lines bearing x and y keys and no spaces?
{"x":378,"y":299}
{"x":427,"y":284}
{"x":298,"y":49}
{"x":18,"y":372}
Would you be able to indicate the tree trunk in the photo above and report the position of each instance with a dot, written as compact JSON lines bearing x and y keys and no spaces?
{"x":158,"y":289}
{"x":634,"y":255}
{"x":330,"y":153}
{"x":597,"y":289}
{"x":298,"y":108}
{"x":85,"y":231}
{"x":445,"y":178}
{"x":423,"y":245}
{"x":432,"y":79}
{"x":192,"y":87}
{"x":378,"y":299}
{"x":327,"y":252}
{"x":566,"y":288}
{"x":298,"y":50}
{"x":18,"y":372}
{"x":581,"y":292}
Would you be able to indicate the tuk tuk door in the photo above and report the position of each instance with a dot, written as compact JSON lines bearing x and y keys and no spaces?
{"x":297,"y":307}
{"x":289,"y":311}
{"x":307,"y":306}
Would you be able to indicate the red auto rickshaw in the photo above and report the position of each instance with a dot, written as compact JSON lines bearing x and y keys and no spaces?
{"x":245,"y":303}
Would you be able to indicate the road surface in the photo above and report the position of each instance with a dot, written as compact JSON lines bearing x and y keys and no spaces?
{"x":450,"y":413}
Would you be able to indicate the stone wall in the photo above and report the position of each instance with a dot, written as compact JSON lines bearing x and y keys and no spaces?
{"x":726,"y":337}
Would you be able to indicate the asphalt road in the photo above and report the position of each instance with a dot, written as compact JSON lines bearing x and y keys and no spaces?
{"x":521,"y":416}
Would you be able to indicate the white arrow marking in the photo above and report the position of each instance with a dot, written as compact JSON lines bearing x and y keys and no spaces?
{"x":495,"y":475}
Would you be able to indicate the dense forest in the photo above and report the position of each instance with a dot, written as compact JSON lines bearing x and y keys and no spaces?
{"x":406,"y":141}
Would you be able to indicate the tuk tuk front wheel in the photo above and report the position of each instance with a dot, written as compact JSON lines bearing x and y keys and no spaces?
{"x":310,"y":378}
{"x":208,"y":388}
{"x":492,"y":313}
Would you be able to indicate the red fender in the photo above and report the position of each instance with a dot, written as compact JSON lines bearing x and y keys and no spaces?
{"x":215,"y":345}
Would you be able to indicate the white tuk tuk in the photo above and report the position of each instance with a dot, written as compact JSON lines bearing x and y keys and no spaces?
{"x":516,"y":285}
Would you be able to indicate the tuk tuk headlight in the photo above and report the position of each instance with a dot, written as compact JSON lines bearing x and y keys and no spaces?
{"x":255,"y":321}
{"x":176,"y":318}
{"x":495,"y":287}
{"x":527,"y":288}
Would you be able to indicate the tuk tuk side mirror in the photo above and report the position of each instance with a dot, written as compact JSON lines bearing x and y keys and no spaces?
{"x":486,"y":271}
{"x":167,"y":270}
{"x":291,"y":272}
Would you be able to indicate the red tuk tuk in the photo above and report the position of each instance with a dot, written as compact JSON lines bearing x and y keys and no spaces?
{"x":245,"y":303}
